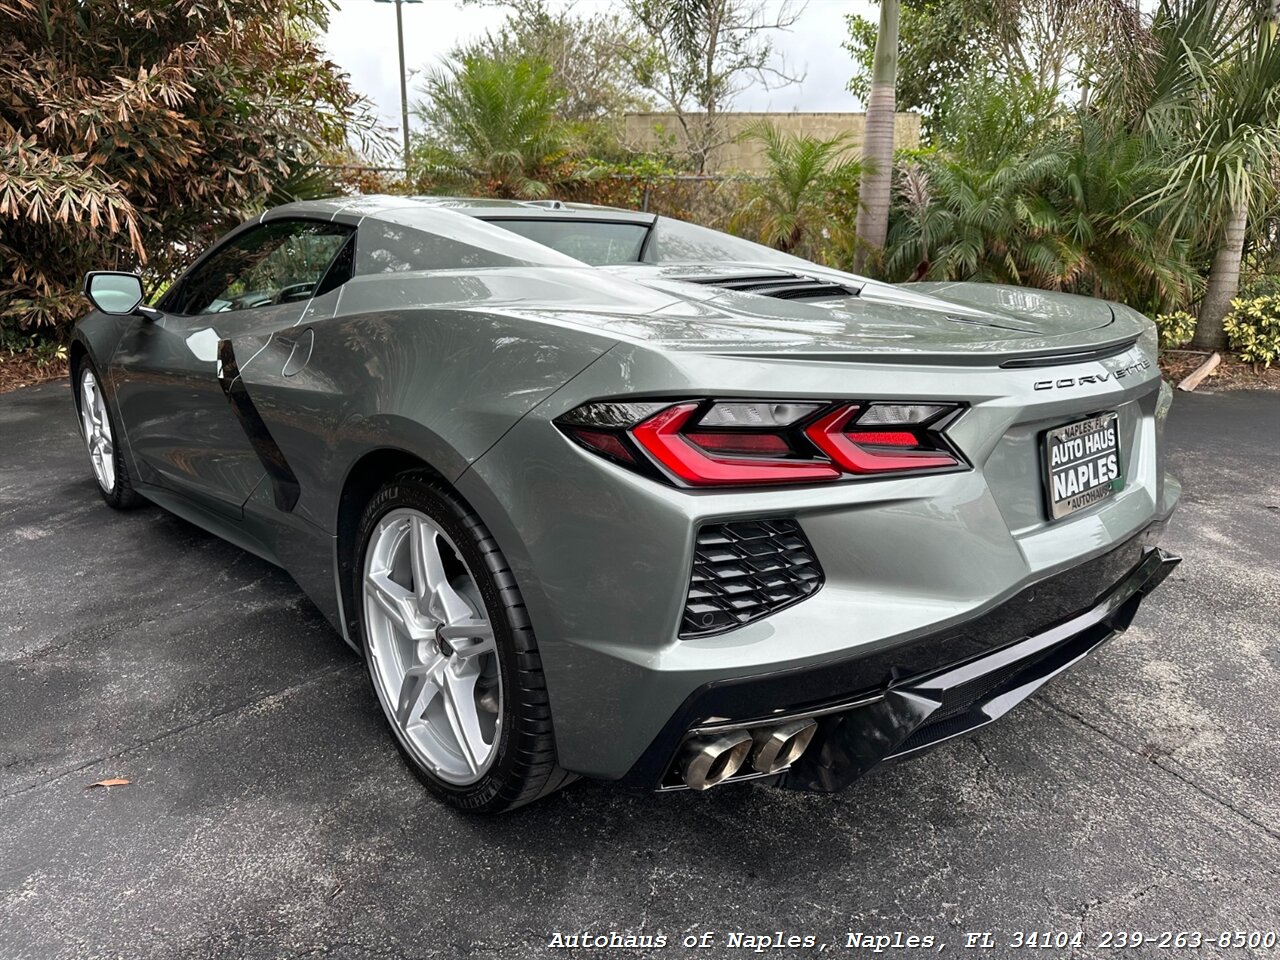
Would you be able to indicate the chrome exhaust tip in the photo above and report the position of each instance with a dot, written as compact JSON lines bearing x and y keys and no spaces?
{"x":706,"y":761}
{"x":776,"y":748}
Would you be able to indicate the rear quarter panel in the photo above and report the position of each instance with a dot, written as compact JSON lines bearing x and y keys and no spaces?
{"x":443,"y":384}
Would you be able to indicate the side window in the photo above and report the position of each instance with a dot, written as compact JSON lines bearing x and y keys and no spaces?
{"x":281,"y":262}
{"x":341,"y":269}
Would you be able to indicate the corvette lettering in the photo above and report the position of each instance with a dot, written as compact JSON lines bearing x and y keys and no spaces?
{"x":1133,"y":368}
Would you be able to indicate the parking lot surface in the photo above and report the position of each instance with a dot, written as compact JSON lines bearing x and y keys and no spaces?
{"x":269,"y":815}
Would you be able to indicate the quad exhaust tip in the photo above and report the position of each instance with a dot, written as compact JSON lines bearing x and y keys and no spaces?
{"x":776,"y":748}
{"x":708,"y":760}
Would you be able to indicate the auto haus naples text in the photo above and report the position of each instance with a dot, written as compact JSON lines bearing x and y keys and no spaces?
{"x":1084,"y":462}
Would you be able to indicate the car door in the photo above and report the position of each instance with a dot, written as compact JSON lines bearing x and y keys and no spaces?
{"x":175,"y":378}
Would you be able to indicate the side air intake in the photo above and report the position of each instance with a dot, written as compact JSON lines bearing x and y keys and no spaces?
{"x":744,"y":570}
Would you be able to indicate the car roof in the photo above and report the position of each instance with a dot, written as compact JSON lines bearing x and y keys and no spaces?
{"x":479,"y":207}
{"x":538,"y":209}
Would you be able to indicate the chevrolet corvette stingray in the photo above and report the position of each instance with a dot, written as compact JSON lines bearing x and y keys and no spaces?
{"x":599,"y":493}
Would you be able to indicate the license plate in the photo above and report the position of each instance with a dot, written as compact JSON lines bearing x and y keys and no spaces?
{"x":1082,"y":464}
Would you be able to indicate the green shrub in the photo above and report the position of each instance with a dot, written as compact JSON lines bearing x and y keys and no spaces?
{"x":38,"y":345}
{"x":1260,"y":285}
{"x":1176,"y":329}
{"x":1253,"y":329}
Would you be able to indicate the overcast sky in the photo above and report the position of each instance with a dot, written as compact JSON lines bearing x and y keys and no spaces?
{"x":362,"y":40}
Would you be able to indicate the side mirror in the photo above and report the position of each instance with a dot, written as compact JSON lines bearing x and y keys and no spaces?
{"x":117,"y":294}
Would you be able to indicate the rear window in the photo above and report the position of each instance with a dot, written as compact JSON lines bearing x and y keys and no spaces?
{"x":604,"y":243}
{"x":423,"y":237}
{"x":597,"y":242}
{"x":675,"y":241}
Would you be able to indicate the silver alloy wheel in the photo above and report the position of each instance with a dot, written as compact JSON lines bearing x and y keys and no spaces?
{"x":434,"y":657}
{"x":97,"y":431}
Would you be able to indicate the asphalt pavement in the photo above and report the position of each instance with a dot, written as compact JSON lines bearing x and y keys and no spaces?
{"x":268,"y":814}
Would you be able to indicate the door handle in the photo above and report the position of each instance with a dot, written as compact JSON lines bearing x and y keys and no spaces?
{"x":299,"y":352}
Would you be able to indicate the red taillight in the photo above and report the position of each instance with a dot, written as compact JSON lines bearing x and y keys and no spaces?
{"x":609,"y":444}
{"x":832,"y":435}
{"x":753,"y":442}
{"x":888,"y":438}
{"x":742,"y":444}
{"x":660,"y":435}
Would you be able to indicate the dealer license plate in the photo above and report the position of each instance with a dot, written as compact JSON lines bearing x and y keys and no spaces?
{"x":1082,"y":464}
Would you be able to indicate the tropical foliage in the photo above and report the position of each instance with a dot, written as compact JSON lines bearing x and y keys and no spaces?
{"x":1175,"y":329}
{"x":1028,"y":193}
{"x":1095,"y":150}
{"x":1092,"y":146}
{"x":1205,"y":90}
{"x":1060,"y":44}
{"x":791,"y":208}
{"x":1253,"y":329}
{"x":493,"y":119}
{"x":133,"y":131}
{"x":581,"y":49}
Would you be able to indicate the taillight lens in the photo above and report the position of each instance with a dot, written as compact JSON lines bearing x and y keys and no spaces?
{"x":741,"y":444}
{"x":707,"y":443}
{"x":663,"y":438}
{"x":841,"y":436}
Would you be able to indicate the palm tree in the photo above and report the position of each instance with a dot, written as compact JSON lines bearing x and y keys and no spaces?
{"x":981,"y":222}
{"x":1111,"y":249}
{"x":979,"y":209}
{"x":1028,"y":193}
{"x":877,"y":178}
{"x":493,"y":119}
{"x":1212,"y":101}
{"x":791,"y":201}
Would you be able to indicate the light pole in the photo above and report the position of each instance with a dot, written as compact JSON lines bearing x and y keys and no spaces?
{"x":404,"y":93}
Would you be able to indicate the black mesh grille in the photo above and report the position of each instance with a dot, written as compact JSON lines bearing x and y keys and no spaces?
{"x":745,"y":570}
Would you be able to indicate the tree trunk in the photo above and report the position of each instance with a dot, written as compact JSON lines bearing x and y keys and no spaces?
{"x":874,"y":192}
{"x":1224,"y":282}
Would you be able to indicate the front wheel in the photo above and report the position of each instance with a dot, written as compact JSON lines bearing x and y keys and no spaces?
{"x":450,"y":651}
{"x":100,"y":438}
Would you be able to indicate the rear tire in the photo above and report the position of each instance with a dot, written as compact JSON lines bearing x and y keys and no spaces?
{"x":450,"y":652}
{"x":98,"y":428}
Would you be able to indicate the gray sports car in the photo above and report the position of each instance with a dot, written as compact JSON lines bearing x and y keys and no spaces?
{"x":599,"y":493}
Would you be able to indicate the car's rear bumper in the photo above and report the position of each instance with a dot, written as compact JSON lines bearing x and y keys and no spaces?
{"x":905,"y":699}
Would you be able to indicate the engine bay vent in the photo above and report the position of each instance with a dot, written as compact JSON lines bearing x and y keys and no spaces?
{"x":781,"y":286}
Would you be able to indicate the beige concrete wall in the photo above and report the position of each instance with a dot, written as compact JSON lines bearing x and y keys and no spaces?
{"x":653,"y":131}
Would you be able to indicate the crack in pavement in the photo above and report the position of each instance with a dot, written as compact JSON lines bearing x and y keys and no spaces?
{"x":1047,"y":705}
